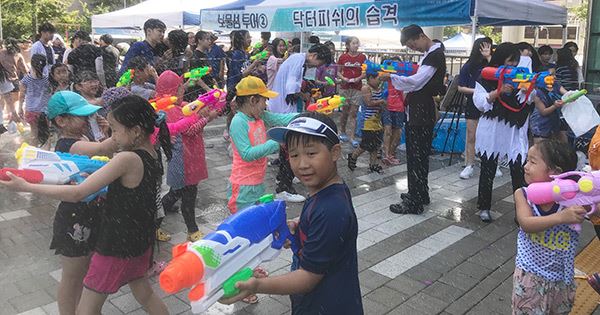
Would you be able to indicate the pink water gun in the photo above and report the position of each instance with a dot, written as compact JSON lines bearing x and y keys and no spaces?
{"x":212,"y":99}
{"x":568,"y":192}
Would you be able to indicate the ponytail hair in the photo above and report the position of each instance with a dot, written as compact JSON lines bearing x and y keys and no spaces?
{"x":43,"y":129}
{"x":38,"y":62}
{"x":133,"y":110}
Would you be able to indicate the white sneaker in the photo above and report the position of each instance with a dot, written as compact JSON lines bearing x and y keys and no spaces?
{"x":467,"y":172}
{"x":296,"y":180}
{"x":498,"y":172}
{"x":286,"y":196}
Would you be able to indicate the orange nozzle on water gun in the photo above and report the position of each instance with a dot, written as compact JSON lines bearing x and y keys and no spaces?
{"x":184,"y":271}
{"x":163,"y":103}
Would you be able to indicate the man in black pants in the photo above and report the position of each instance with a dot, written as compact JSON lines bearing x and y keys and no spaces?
{"x":422,"y":86}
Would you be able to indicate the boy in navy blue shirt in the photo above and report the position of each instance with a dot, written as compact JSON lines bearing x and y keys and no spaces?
{"x":324,"y":277}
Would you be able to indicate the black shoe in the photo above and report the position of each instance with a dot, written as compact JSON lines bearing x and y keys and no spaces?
{"x":406,"y":196}
{"x":406,"y":208}
{"x":2,"y":129}
{"x":351,"y":162}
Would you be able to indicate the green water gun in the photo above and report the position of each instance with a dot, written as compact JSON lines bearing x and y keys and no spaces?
{"x":126,"y":78}
{"x":573,"y":97}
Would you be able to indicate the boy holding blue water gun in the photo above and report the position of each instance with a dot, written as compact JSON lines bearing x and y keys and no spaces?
{"x":324,"y":276}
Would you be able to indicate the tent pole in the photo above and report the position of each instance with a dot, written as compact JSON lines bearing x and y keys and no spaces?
{"x":474,"y":20}
{"x":564,"y":37}
{"x":536,"y":35}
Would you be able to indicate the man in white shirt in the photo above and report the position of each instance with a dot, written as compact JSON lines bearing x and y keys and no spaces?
{"x":46,"y":33}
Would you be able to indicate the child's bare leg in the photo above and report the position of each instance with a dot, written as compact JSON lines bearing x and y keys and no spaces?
{"x":34,"y":134}
{"x":143,"y":293}
{"x":71,"y":283}
{"x":91,"y":302}
{"x":387,"y":141}
{"x":352,"y":126}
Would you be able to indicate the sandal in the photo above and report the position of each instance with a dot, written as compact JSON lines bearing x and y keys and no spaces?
{"x":376,"y":169}
{"x":250,"y":299}
{"x":162,"y":236}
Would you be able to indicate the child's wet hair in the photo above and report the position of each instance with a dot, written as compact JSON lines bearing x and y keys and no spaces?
{"x":133,"y":110}
{"x":138,"y":63}
{"x":293,"y":139}
{"x":558,"y":156}
{"x":54,"y":67}
{"x":323,"y":53}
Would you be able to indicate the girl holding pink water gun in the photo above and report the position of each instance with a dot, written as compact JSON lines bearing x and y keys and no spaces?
{"x":546,"y":244}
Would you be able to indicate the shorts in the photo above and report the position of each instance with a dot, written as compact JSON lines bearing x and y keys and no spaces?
{"x":352,"y":97}
{"x":75,"y":228}
{"x":395,"y":119}
{"x":371,"y":141}
{"x":107,"y":274}
{"x":243,"y":196}
{"x":32,"y":118}
{"x":471,"y":112}
{"x":533,"y":294}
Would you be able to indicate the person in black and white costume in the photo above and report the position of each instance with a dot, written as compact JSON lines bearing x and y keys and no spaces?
{"x":502,"y":128}
{"x":421,"y":87}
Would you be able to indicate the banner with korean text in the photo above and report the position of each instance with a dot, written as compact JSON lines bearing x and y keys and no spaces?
{"x":378,"y":14}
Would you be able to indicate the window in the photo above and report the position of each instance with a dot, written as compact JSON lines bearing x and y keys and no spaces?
{"x":556,"y":32}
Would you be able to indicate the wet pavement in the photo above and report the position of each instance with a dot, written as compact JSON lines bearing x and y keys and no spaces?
{"x":445,"y":261}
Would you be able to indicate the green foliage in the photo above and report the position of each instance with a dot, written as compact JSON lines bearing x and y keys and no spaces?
{"x":450,"y":31}
{"x":21,"y":26}
{"x":490,"y":32}
{"x":580,"y":11}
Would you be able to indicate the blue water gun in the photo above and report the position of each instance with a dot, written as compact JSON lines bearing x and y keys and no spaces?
{"x":213,"y":265}
{"x":39,"y":166}
{"x":519,"y":77}
{"x":401,"y":68}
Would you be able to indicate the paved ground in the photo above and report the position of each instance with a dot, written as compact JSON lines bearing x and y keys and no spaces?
{"x":445,"y":261}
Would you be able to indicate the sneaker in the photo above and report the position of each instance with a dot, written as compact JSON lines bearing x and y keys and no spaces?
{"x":485,"y":215}
{"x":498,"y":172}
{"x":351,"y":162}
{"x":286,"y":196}
{"x":343,"y":137}
{"x":296,"y":180}
{"x":162,"y":236}
{"x":355,"y":144}
{"x":467,"y":172}
{"x":2,"y":129}
{"x":192,"y":237}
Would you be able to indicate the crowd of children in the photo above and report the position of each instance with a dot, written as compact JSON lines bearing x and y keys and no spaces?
{"x":107,"y":243}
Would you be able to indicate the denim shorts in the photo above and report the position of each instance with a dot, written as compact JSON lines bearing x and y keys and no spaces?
{"x":395,"y":119}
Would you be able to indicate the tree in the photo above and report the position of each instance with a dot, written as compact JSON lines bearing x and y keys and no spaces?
{"x":492,"y":33}
{"x":580,"y":11}
{"x":450,"y":31}
{"x":21,"y":26}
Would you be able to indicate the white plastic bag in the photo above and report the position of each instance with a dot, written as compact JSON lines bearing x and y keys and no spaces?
{"x":580,"y":114}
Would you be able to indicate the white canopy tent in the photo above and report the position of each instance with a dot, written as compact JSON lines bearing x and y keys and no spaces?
{"x":174,"y":13}
{"x":460,"y":43}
